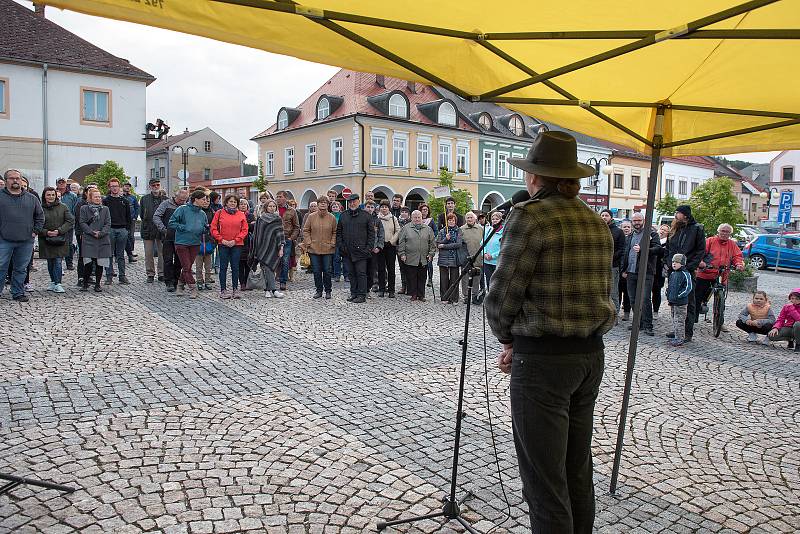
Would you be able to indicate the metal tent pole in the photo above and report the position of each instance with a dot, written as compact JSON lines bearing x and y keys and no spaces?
{"x":644,"y":256}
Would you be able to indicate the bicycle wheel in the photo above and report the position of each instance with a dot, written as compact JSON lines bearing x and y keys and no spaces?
{"x":719,"y":312}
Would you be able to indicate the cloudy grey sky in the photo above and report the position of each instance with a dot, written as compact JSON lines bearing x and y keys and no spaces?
{"x":236,"y":91}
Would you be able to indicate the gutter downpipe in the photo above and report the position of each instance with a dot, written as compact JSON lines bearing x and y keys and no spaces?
{"x":363,"y":169}
{"x":45,"y":162}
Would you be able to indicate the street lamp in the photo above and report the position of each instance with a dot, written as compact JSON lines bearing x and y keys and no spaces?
{"x":773,"y":194}
{"x":604,"y":166}
{"x":177,"y":149}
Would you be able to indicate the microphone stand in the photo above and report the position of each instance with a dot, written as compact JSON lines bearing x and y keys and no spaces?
{"x":450,"y":508}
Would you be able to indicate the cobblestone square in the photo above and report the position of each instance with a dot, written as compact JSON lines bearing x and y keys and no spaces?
{"x":312,"y":416}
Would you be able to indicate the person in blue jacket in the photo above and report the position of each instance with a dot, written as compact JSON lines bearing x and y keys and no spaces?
{"x":133,"y":200}
{"x":190,"y":223}
{"x":680,"y":286}
{"x":492,"y":250}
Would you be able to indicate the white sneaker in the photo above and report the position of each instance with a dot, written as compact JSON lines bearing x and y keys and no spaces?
{"x":50,"y":287}
{"x":58,"y":289}
{"x":277,"y":294}
{"x":751,"y":337}
{"x":267,"y":294}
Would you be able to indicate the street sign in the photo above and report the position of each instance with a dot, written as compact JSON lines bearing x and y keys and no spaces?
{"x":346,"y":192}
{"x":785,"y":207}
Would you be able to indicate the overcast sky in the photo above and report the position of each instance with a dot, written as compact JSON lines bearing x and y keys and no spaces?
{"x":236,"y":91}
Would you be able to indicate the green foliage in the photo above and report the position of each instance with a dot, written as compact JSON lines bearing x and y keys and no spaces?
{"x":462,"y":197}
{"x":107,"y":171}
{"x":714,"y":203}
{"x":736,"y":279}
{"x":667,"y":205}
{"x":260,"y":183}
{"x":736,"y":164}
{"x":248,"y":169}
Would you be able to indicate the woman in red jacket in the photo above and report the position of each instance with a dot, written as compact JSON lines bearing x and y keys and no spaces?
{"x":229,"y":228}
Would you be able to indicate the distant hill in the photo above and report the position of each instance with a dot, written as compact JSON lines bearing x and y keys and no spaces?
{"x":732,"y":163}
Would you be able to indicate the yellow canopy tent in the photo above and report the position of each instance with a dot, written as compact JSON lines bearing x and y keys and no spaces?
{"x":683,"y":77}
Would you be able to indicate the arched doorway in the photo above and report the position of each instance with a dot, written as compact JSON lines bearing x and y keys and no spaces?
{"x":80,"y":174}
{"x":415,"y":197}
{"x":382,"y":192}
{"x":308,"y":197}
{"x":491,"y":201}
{"x":338,"y":188}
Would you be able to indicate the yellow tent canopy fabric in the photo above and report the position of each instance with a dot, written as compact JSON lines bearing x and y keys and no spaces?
{"x":599,"y":67}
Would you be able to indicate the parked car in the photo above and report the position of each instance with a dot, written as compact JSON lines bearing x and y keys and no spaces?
{"x":762,"y":251}
{"x":746,"y":233}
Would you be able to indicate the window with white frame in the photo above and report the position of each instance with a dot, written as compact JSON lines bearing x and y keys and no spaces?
{"x":270,"y":159}
{"x":447,"y":114}
{"x":682,"y":187}
{"x":462,"y":157}
{"x":283,"y":120}
{"x":635,"y":182}
{"x":288,"y":163}
{"x":207,"y":146}
{"x":3,"y":98}
{"x":311,"y":157}
{"x":787,"y":174}
{"x":161,"y":173}
{"x":516,"y":125}
{"x":397,"y":106}
{"x":669,"y":186}
{"x":400,"y":150}
{"x":694,"y":187}
{"x":337,"y":153}
{"x":488,"y":163}
{"x":378,"y":150}
{"x":96,"y":106}
{"x":424,"y":154}
{"x":445,"y":155}
{"x":502,"y":165}
{"x":619,"y":180}
{"x":153,"y":173}
{"x":323,"y":109}
{"x":516,"y":172}
{"x":485,"y":120}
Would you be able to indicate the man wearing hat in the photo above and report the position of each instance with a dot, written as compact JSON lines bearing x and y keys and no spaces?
{"x":150,"y":234}
{"x":549,"y":306}
{"x":356,"y":232}
{"x":687,"y":237}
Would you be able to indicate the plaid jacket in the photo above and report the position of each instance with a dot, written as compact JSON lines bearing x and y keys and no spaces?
{"x":553,"y":276}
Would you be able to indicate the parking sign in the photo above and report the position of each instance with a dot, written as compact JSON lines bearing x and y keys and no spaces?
{"x":785,"y":207}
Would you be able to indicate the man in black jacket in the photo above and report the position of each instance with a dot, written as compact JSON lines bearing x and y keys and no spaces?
{"x":172,"y":263}
{"x":356,"y":233}
{"x":632,"y":272}
{"x":150,"y":233}
{"x":121,"y":220}
{"x":619,"y":250}
{"x":397,"y":205}
{"x":687,"y":237}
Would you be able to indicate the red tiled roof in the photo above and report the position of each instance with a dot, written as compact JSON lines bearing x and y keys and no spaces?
{"x":697,"y":161}
{"x":355,"y":87}
{"x":31,"y":38}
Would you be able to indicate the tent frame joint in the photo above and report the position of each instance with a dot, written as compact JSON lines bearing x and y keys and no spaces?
{"x":672,"y":33}
{"x":310,"y":12}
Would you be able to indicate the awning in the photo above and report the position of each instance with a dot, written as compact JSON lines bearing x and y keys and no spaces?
{"x":595,"y":66}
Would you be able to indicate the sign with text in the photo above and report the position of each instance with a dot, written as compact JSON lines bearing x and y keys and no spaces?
{"x":441,"y":191}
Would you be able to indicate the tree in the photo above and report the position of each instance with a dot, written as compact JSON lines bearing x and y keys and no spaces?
{"x":248,"y":169}
{"x":107,"y":171}
{"x":714,"y":203}
{"x":260,"y":183}
{"x":667,"y":205}
{"x":462,"y":197}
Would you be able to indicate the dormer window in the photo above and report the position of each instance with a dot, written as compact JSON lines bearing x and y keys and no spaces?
{"x":485,"y":121}
{"x":398,"y":106}
{"x":516,"y":125}
{"x":323,"y":109}
{"x":447,"y":114}
{"x":283,"y":120}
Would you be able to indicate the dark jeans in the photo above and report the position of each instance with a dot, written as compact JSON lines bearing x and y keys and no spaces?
{"x":286,"y":261}
{"x":702,"y":290}
{"x":229,"y":256}
{"x":646,"y":322}
{"x":488,"y":271}
{"x":71,"y":250}
{"x":386,"y":262}
{"x":447,"y":279}
{"x":54,"y":269}
{"x":15,"y":258}
{"x":763,"y":330}
{"x":322,"y":265}
{"x":119,"y":240}
{"x":372,"y":270}
{"x":358,"y":276}
{"x":79,"y":266}
{"x":415,"y":277}
{"x":691,"y":309}
{"x":172,"y":263}
{"x":552,"y":402}
{"x":244,"y":272}
{"x":403,"y":274}
{"x":623,"y":295}
{"x":131,"y":240}
{"x":658,"y":285}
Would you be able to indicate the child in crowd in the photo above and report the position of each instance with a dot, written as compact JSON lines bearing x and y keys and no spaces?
{"x":757,"y":317}
{"x":787,"y":326}
{"x":680,"y":285}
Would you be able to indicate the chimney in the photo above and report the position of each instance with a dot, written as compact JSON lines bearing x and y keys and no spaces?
{"x":38,"y":9}
{"x":412,"y":87}
{"x":380,"y":79}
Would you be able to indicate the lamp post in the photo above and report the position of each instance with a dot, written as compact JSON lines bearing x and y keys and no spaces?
{"x":772,"y":195}
{"x":177,"y":149}
{"x":604,"y":166}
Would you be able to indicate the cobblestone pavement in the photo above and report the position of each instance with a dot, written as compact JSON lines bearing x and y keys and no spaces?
{"x":174,"y":415}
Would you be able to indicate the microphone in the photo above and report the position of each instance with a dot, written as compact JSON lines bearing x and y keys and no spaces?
{"x":519,"y":196}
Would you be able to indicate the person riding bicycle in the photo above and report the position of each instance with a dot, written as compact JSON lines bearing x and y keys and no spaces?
{"x":721,"y":251}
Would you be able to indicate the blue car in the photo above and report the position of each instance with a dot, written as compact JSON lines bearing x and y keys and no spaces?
{"x":762,"y":251}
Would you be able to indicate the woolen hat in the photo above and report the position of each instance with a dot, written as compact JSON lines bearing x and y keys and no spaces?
{"x":679,"y":258}
{"x":686,"y":209}
{"x":554,"y":154}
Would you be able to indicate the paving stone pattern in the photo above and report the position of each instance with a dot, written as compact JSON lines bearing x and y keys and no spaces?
{"x":311,"y":416}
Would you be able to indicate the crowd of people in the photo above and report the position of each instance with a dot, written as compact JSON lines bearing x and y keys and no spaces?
{"x":194,"y":239}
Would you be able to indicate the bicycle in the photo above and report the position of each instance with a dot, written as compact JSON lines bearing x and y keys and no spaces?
{"x":719,"y":293}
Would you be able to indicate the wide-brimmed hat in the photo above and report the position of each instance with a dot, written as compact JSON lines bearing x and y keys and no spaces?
{"x":554,"y":154}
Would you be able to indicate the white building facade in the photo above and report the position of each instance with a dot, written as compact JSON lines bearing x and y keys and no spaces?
{"x":681,"y":176}
{"x":785,"y":176}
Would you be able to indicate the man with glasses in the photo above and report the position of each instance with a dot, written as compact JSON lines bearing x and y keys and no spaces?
{"x":120,"y":210}
{"x":21,"y":216}
{"x":150,"y":232}
{"x":721,"y":251}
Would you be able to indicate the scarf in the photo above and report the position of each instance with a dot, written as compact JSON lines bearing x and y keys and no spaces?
{"x":266,"y":241}
{"x":231,"y":211}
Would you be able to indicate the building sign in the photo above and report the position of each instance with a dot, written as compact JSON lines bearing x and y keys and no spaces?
{"x":233,"y":181}
{"x":594,"y":200}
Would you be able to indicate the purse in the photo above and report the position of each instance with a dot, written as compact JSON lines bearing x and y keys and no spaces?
{"x":55,"y":240}
{"x":255,"y":280}
{"x":462,"y":255}
{"x":305,"y":260}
